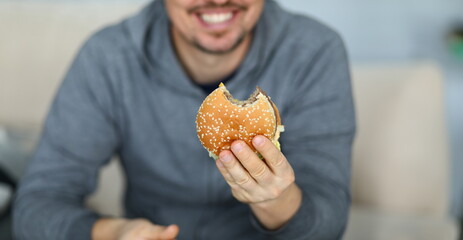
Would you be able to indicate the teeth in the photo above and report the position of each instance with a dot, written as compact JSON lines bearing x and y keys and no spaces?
{"x":216,"y":17}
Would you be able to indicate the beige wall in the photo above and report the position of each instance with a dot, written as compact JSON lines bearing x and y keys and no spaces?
{"x":38,"y":41}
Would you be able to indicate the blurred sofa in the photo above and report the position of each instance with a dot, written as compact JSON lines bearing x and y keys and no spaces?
{"x":400,"y":174}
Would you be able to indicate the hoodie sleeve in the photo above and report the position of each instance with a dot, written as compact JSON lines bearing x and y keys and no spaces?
{"x":79,"y":136}
{"x":320,"y":126}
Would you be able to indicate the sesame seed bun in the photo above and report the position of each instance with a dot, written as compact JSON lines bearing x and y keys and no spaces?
{"x":222,"y":119}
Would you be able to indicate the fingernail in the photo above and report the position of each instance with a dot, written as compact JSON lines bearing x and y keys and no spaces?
{"x":225,"y":158}
{"x":237,"y":147}
{"x":219,"y":163}
{"x":258,"y":140}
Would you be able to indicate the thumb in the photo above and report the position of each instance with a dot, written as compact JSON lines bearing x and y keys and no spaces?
{"x":170,"y":232}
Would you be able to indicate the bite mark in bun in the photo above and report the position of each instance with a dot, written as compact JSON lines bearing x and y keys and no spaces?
{"x":222,"y":119}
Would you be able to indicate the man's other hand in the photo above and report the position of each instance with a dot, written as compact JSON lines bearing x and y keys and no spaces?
{"x":137,"y":229}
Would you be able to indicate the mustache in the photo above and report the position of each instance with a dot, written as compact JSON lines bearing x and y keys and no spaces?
{"x":214,"y":5}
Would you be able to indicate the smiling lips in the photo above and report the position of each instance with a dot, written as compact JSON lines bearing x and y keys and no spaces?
{"x":217,"y":19}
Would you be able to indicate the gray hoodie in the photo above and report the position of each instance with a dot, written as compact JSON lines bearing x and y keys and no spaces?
{"x":126,"y":94}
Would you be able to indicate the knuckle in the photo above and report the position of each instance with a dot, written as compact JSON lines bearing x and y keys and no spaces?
{"x":278,"y":161}
{"x":231,"y":164}
{"x":235,"y":191}
{"x":232,"y":182}
{"x":286,"y":180}
{"x":291,"y":178}
{"x":235,"y":188}
{"x":245,"y":156}
{"x":238,"y":194}
{"x":243,"y":180}
{"x":260,"y":171}
{"x":228,"y":178}
{"x":274,"y":193}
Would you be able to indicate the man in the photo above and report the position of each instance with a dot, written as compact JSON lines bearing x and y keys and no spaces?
{"x":134,"y":90}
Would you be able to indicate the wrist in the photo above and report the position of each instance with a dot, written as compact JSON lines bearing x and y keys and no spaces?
{"x":273,"y":214}
{"x":291,"y":194}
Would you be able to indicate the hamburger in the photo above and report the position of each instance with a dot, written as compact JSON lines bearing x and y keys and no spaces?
{"x":222,"y":119}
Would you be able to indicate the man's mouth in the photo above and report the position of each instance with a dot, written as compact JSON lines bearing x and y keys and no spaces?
{"x":216,"y":18}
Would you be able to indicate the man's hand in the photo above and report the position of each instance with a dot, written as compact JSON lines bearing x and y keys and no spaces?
{"x":137,"y":229}
{"x":268,"y":186}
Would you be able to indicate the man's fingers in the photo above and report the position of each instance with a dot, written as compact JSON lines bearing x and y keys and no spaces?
{"x":169,"y":232}
{"x":251,"y":162}
{"x":275,"y":159}
{"x":226,"y":175}
{"x":158,"y":232}
{"x":239,"y":175}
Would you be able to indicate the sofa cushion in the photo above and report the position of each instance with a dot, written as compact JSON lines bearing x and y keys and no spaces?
{"x":400,"y":159}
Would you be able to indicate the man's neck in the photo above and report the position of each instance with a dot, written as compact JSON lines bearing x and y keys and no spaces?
{"x":205,"y":67}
